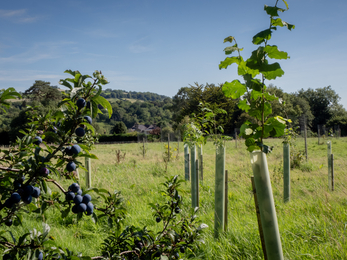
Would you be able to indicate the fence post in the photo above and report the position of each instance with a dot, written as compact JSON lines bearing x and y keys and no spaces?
{"x":168,"y":147}
{"x":332,"y":172}
{"x":329,"y":164}
{"x":305,"y":129}
{"x":226,"y":202}
{"x":88,"y":173}
{"x":286,"y":172}
{"x":235,"y":137}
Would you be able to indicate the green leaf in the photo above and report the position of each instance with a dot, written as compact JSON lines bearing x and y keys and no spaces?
{"x":285,"y":2}
{"x":271,"y":71}
{"x":244,"y":105}
{"x":251,"y":83}
{"x":270,"y":97}
{"x":243,"y":69}
{"x":234,"y":89}
{"x":92,"y":156}
{"x":274,"y":53}
{"x":228,"y":61}
{"x":262,"y":36}
{"x":229,"y":39}
{"x":231,"y":49}
{"x":277,"y":124}
{"x":273,"y":10}
{"x":103,"y":102}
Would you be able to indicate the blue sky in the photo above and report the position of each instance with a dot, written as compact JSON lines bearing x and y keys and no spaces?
{"x":161,"y":46}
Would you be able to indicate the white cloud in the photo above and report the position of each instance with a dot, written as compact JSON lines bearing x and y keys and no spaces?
{"x":37,"y":52}
{"x":141,"y":45}
{"x":17,"y":16}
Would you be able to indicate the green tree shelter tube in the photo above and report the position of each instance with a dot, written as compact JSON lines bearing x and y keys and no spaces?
{"x":329,"y":165}
{"x":286,"y":172}
{"x":193,"y":177}
{"x":200,"y":159}
{"x":219,"y":201}
{"x":266,"y":206}
{"x":186,"y":162}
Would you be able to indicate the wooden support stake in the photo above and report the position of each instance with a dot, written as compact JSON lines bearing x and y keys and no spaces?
{"x":332,"y":172}
{"x":226,"y":202}
{"x":168,"y":147}
{"x":261,"y":234}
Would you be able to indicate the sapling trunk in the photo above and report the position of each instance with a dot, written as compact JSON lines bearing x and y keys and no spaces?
{"x":266,"y":206}
{"x":286,"y":172}
{"x":219,"y":220}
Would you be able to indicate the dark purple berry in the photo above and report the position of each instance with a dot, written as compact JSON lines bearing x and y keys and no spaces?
{"x":27,"y":199}
{"x":74,"y":209}
{"x":68,"y":151}
{"x":90,"y":208}
{"x":75,"y":149}
{"x":80,"y":132}
{"x":70,"y":195}
{"x":15,"y":197}
{"x":81,"y":103}
{"x":79,"y":192}
{"x":88,"y":119}
{"x":8,"y":223}
{"x":78,"y":199}
{"x":87,"y":198}
{"x":28,"y":190}
{"x":158,"y":219}
{"x":44,"y":171}
{"x":36,"y":193}
{"x":71,"y":166}
{"x":82,"y":207}
{"x":74,"y":187}
{"x":177,"y":210}
{"x":37,"y":140}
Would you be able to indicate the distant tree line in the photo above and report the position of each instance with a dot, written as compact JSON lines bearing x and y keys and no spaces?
{"x":145,"y":96}
{"x":317,"y":106}
{"x":314,"y":106}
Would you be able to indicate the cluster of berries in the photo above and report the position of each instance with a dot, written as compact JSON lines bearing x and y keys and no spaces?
{"x":24,"y":193}
{"x":82,"y":203}
{"x":81,"y":103}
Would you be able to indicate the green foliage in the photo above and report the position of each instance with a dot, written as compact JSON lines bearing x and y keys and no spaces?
{"x":119,"y":128}
{"x":31,"y":166}
{"x":188,"y":99}
{"x":179,"y":228}
{"x":252,"y":95}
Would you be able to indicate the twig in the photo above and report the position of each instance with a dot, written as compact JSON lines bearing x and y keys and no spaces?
{"x":57,"y":184}
{"x":9,"y":169}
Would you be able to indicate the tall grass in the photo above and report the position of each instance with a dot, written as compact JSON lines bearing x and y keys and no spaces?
{"x":312,"y":225}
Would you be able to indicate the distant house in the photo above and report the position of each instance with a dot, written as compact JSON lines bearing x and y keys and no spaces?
{"x":146,"y":129}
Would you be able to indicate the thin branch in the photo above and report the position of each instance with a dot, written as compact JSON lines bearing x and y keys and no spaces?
{"x":57,"y":184}
{"x":9,"y":169}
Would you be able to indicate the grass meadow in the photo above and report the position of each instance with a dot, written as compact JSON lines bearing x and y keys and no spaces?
{"x":313,"y":225}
